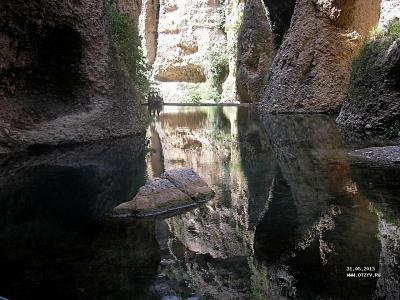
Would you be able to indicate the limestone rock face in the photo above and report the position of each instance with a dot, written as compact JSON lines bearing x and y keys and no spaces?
{"x":255,"y":51}
{"x":59,"y":79}
{"x":312,"y":67}
{"x":390,"y":9}
{"x":186,"y":30}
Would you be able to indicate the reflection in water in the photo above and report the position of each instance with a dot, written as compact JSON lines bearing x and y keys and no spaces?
{"x":291,"y":212}
{"x":287,"y":211}
{"x":53,"y":244}
{"x":328,"y":222}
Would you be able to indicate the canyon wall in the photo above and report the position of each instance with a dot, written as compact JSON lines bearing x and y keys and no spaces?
{"x":60,"y":78}
{"x":207,"y":50}
{"x":372,"y":100}
{"x":255,"y":50}
{"x":311,"y":70}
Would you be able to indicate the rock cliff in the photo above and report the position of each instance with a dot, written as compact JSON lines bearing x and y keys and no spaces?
{"x":200,"y":51}
{"x":60,"y":80}
{"x":372,"y":100}
{"x":311,"y":70}
{"x":255,"y":50}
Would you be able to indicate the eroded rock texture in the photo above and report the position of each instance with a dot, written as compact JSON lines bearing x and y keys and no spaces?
{"x":255,"y":50}
{"x":312,"y":67}
{"x":185,"y":29}
{"x":60,"y":82}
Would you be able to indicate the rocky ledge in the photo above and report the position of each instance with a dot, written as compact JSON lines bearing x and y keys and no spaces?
{"x":389,"y":155}
{"x":176,"y":190}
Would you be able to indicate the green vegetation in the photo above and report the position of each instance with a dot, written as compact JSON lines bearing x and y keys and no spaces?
{"x":127,"y":43}
{"x":373,"y":50}
{"x":204,"y":92}
{"x":219,"y":65}
{"x":212,"y":89}
{"x":381,"y":210}
{"x":393,"y":131}
{"x":378,"y":41}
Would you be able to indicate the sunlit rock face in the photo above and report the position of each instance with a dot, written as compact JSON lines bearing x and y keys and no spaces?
{"x":186,"y":31}
{"x":311,"y":70}
{"x":255,"y":50}
{"x":148,"y":25}
{"x":59,"y":77}
{"x":390,"y":9}
{"x":184,"y":41}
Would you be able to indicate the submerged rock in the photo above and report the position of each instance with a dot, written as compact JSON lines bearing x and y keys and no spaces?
{"x":176,"y":190}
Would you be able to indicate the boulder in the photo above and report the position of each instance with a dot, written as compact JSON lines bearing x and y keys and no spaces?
{"x":176,"y":190}
{"x":189,"y":183}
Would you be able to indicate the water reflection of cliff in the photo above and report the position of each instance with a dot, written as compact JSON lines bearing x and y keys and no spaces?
{"x":287,"y":218}
{"x":55,"y":243}
{"x":326,"y":219}
{"x":381,"y":187}
{"x":228,"y":148}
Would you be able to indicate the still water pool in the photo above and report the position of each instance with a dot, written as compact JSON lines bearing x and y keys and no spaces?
{"x":294,"y":216}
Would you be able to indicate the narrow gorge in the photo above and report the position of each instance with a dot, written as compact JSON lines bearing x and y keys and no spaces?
{"x":199,"y":149}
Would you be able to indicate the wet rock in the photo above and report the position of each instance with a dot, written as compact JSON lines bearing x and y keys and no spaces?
{"x":176,"y":190}
{"x":388,"y":155}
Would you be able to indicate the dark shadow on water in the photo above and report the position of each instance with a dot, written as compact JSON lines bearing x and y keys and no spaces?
{"x":56,"y":244}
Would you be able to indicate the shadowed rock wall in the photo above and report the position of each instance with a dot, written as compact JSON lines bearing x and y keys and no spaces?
{"x":311,"y":70}
{"x":59,"y":78}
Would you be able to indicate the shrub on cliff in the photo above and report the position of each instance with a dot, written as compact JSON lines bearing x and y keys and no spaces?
{"x":378,"y":42}
{"x":127,"y":43}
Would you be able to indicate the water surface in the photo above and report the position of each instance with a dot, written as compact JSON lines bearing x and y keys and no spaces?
{"x":292,"y":211}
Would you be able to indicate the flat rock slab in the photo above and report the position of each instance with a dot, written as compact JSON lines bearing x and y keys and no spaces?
{"x":389,"y":155}
{"x":190,"y":183}
{"x":176,"y":190}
